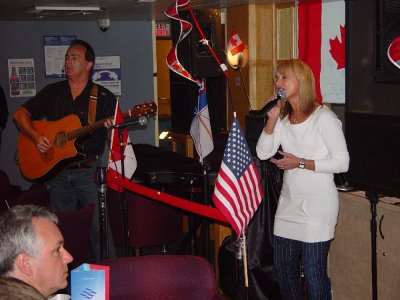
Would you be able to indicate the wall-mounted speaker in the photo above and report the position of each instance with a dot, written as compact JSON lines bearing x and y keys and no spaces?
{"x":197,"y":59}
{"x":195,"y":56}
{"x":372,"y":117}
{"x":387,"y":29}
{"x":184,"y":95}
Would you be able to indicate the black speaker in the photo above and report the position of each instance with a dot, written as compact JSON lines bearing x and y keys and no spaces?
{"x":254,"y":127}
{"x":387,"y":29}
{"x":192,"y":53}
{"x":200,"y":63}
{"x":184,"y":100}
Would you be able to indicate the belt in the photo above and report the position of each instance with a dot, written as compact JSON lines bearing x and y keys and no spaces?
{"x":85,"y":164}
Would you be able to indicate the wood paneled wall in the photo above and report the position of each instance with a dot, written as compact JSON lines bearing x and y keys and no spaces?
{"x":238,"y":81}
{"x":269,"y":31}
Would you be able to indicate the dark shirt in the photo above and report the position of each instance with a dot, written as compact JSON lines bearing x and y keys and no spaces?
{"x":3,"y":109}
{"x":55,"y":101}
{"x":14,"y":289}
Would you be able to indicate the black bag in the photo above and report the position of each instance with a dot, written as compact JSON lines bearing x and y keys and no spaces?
{"x":263,"y":282}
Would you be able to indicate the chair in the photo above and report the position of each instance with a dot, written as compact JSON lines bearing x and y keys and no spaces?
{"x":38,"y":196}
{"x":8,"y":191}
{"x":75,"y":227}
{"x":164,"y":277}
{"x":150,"y":223}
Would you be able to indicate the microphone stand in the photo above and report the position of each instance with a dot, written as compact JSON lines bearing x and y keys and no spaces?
{"x":373,"y":199}
{"x":121,"y":127}
{"x":103,"y":215}
{"x":124,"y":202}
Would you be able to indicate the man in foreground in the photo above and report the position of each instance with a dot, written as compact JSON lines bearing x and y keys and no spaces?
{"x":33,"y":260}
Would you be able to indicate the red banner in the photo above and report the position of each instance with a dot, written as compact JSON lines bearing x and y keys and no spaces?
{"x":187,"y":205}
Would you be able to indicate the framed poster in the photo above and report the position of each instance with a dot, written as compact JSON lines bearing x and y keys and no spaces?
{"x":107,"y":72}
{"x":21,"y":74}
{"x":55,"y":48}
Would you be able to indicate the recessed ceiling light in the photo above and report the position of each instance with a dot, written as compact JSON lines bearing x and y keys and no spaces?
{"x":67,"y":8}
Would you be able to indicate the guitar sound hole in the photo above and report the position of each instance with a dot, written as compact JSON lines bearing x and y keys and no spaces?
{"x":61,"y":139}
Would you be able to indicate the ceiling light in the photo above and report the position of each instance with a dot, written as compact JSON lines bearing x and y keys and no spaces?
{"x":68,"y":8}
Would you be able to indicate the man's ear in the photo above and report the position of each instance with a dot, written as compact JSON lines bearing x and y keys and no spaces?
{"x":23,"y":264}
{"x":90,"y":65}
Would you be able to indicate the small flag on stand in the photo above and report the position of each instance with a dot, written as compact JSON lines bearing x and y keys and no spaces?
{"x":237,"y":191}
{"x":114,"y":170}
{"x":200,"y":129}
{"x":235,"y":44}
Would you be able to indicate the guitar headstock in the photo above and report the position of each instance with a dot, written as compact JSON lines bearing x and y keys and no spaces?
{"x":142,"y":110}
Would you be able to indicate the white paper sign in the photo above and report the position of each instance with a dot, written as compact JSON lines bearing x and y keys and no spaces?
{"x":107,"y":72}
{"x":21,"y":76}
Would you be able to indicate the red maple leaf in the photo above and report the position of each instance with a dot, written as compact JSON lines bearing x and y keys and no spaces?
{"x":338,"y":49}
{"x":233,"y":42}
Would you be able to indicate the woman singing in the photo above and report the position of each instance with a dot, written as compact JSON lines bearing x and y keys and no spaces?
{"x":314,"y":148}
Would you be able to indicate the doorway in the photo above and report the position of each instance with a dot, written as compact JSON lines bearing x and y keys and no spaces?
{"x":163,"y":46}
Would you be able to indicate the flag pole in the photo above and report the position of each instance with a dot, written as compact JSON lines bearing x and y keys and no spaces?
{"x":230,"y":96}
{"x":124,"y":202}
{"x":245,"y":87}
{"x":206,"y":224}
{"x":246,"y":277}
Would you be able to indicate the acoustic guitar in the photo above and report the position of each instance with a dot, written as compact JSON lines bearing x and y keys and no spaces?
{"x":67,"y":137}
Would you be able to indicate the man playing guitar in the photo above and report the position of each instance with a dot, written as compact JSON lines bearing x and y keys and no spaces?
{"x":76,"y":182}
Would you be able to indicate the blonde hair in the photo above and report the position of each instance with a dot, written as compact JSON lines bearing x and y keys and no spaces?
{"x":305,"y":76}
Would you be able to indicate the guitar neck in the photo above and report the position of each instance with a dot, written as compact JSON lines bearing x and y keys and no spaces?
{"x":77,"y":133}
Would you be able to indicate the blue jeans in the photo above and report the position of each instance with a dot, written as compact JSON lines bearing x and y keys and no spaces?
{"x":289,"y":256}
{"x":78,"y":186}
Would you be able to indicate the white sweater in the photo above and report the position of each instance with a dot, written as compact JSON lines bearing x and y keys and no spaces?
{"x":308,"y":204}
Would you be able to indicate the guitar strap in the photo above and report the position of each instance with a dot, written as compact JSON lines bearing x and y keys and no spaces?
{"x":93,"y":104}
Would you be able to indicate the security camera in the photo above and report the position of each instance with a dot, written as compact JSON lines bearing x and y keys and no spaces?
{"x":104,"y":23}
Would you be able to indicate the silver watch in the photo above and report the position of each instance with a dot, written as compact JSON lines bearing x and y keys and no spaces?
{"x":302,"y":164}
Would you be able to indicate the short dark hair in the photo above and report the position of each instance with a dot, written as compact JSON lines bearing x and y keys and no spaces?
{"x":89,"y":55}
{"x":18,"y":235}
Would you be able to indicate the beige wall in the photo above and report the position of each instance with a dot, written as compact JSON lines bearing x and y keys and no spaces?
{"x":269,"y":31}
{"x":350,"y":266}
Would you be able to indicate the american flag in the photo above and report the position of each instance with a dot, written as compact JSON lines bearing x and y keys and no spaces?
{"x":200,"y":129}
{"x":237,"y":192}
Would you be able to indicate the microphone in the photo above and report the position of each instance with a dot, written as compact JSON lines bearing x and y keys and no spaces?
{"x":139,"y":121}
{"x":259,"y":114}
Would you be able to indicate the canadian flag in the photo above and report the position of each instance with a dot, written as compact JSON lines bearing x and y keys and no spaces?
{"x":235,"y":44}
{"x":321,"y":44}
{"x":114,"y":170}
